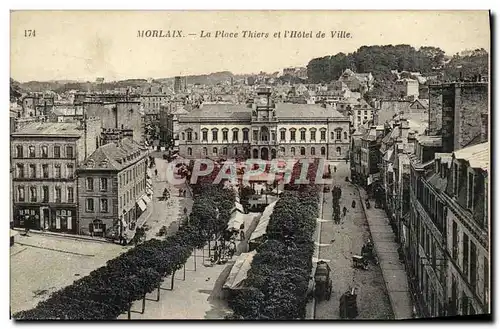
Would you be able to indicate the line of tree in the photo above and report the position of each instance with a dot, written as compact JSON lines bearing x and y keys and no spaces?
{"x":277,"y":283}
{"x":110,"y":290}
{"x":380,"y":60}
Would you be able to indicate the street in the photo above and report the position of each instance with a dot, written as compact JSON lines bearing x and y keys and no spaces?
{"x":338,"y":243}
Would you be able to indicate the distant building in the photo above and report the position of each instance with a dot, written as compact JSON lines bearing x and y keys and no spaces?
{"x":407,"y":88}
{"x":44,"y":157}
{"x":114,"y":191}
{"x":264,"y":130}
{"x":361,"y":82}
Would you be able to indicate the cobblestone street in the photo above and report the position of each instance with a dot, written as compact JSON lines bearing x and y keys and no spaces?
{"x":338,"y":244}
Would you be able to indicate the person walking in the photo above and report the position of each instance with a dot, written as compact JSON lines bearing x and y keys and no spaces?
{"x":156,"y":172}
{"x":353,"y":204}
{"x":334,"y":168}
{"x":344,"y":210}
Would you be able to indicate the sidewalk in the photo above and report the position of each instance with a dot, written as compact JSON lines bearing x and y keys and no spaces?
{"x":392,"y":269}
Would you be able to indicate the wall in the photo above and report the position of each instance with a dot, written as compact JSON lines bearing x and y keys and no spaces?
{"x":435,"y":109}
{"x":129,"y":117}
{"x":471,"y":102}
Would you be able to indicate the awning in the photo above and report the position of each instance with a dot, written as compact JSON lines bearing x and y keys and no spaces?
{"x":141,"y":204}
{"x":235,"y":221}
{"x":239,"y":271}
{"x":238,"y":207}
{"x":261,"y":228}
{"x":146,"y":199}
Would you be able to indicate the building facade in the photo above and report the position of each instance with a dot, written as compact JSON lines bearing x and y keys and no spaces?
{"x":114,"y":191}
{"x":264,"y":130}
{"x":44,"y":158}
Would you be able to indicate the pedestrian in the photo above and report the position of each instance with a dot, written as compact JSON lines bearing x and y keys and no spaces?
{"x":344,"y":210}
{"x":346,"y":160}
{"x":353,"y":204}
{"x":156,"y":172}
{"x":184,"y":193}
{"x":334,"y":168}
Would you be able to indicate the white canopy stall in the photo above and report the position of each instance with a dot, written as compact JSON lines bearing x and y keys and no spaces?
{"x":261,"y":228}
{"x":239,"y":271}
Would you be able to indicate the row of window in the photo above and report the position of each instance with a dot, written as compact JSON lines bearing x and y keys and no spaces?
{"x":90,"y":207}
{"x":264,"y":135}
{"x":215,"y":151}
{"x":45,"y":194}
{"x":44,"y":171}
{"x":103,"y":184}
{"x":132,"y":193}
{"x":131,"y":174}
{"x":43,"y":151}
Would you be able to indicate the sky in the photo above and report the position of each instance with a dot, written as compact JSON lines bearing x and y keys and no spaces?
{"x":84,"y":45}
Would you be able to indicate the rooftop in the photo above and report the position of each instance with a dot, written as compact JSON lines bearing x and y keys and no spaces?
{"x":478,"y":155}
{"x":113,"y":156}
{"x":63,"y":129}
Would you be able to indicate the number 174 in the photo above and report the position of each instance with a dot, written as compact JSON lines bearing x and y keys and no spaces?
{"x":29,"y":33}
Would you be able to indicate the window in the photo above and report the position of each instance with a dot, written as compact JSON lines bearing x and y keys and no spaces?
{"x":235,"y":135}
{"x":303,"y":135}
{"x":302,"y":151}
{"x":292,"y":151}
{"x":473,"y":266}
{"x":89,"y":205}
{"x":70,"y":171}
{"x":45,"y":151}
{"x":282,"y":135}
{"x":345,"y":135}
{"x":470,"y":191}
{"x":455,"y":241}
{"x":97,"y":226}
{"x":71,"y":195}
{"x":245,"y":135}
{"x":20,"y":170}
{"x":313,"y":151}
{"x":214,"y":135}
{"x":104,"y":205}
{"x":57,"y":151}
{"x":32,"y":170}
{"x":214,"y":151}
{"x":224,"y":135}
{"x":323,"y":151}
{"x":103,"y":184}
{"x":183,"y":136}
{"x":57,"y":171}
{"x":45,"y":194}
{"x":32,"y":151}
{"x":224,"y":151}
{"x":255,"y":135}
{"x":235,"y":151}
{"x":69,"y":152}
{"x":455,"y":179}
{"x":189,"y":136}
{"x":323,"y":135}
{"x":465,"y":250}
{"x":204,"y":136}
{"x":332,"y":135}
{"x":90,"y":184}
{"x":58,"y":194}
{"x":338,"y":150}
{"x":205,"y":152}
{"x":190,"y":151}
{"x":273,"y":135}
{"x":45,"y":171}
{"x":313,"y":135}
{"x":33,"y":194}
{"x":19,"y":150}
{"x":20,"y":193}
{"x":282,"y":151}
{"x":292,"y":135}
{"x":338,"y":134}
{"x":121,"y":201}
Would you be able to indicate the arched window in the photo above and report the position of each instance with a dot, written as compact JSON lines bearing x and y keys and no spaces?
{"x":345,"y":134}
{"x":313,"y":134}
{"x":313,"y":151}
{"x":235,"y":151}
{"x":292,"y":151}
{"x":235,"y":134}
{"x":19,"y":149}
{"x":282,"y":134}
{"x":224,"y":151}
{"x":339,"y":151}
{"x":323,"y":151}
{"x":338,"y":133}
{"x":183,"y":136}
{"x":205,"y":151}
{"x":215,"y":133}
{"x":190,"y":151}
{"x":255,"y":154}
{"x":282,"y":150}
{"x":302,"y":151}
{"x":204,"y":135}
{"x":214,"y":151}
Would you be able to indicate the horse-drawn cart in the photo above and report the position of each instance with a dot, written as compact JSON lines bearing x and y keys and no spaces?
{"x":322,"y":282}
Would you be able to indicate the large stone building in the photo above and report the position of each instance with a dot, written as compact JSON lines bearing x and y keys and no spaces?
{"x":44,"y":158}
{"x":114,"y":190}
{"x":448,"y":248}
{"x":264,"y":130}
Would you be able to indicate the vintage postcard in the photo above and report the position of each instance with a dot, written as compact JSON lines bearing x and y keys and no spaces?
{"x":241,"y":165}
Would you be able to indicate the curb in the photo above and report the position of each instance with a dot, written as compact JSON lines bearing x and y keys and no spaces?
{"x":67,"y":236}
{"x":375,"y":246}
